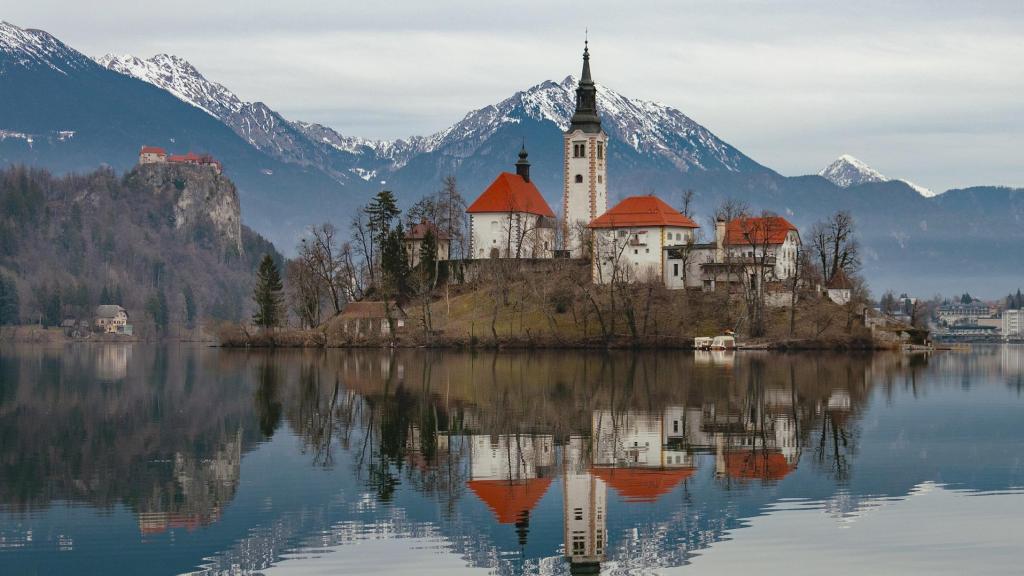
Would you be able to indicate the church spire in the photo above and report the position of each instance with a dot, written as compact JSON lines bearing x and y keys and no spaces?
{"x":586,"y":118}
{"x":523,"y":165}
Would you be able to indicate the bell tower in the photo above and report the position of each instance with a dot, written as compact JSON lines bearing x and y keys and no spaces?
{"x":585,"y":192}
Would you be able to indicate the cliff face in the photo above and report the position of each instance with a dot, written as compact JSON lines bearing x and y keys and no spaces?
{"x":204,"y":202}
{"x":164,"y":241}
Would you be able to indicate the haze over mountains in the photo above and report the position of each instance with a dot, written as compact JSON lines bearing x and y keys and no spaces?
{"x":65,"y":111}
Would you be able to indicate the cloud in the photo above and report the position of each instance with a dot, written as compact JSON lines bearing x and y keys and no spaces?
{"x":917,"y":89}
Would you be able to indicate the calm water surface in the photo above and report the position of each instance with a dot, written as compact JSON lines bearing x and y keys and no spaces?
{"x":141,"y":459}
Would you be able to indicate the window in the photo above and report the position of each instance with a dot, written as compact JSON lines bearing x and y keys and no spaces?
{"x":600,"y":179}
{"x":636,"y":251}
{"x":647,"y":250}
{"x":579,"y":178}
{"x":675,"y":425}
{"x":600,"y":151}
{"x":579,"y":150}
{"x":675,"y":272}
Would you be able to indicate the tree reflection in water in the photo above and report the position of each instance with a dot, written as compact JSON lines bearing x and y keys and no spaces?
{"x":644,"y":458}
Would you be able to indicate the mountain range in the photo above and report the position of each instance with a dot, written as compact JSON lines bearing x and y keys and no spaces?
{"x":68,"y":112}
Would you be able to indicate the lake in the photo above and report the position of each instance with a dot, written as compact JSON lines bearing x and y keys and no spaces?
{"x":145,"y":459}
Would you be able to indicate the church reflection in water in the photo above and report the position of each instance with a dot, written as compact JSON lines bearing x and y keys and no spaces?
{"x":586,"y":456}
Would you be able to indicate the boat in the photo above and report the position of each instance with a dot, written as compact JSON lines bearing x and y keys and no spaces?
{"x":723,"y":343}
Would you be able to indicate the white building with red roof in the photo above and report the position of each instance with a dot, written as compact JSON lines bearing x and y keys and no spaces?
{"x":152,"y":155}
{"x":629,"y":241}
{"x":511,"y":219}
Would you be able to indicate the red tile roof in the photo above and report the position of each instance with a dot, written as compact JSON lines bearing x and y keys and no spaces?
{"x":642,"y":211}
{"x":757,"y":465}
{"x":509,"y":499}
{"x":419,"y":231}
{"x":840,"y":281}
{"x":510,"y":193}
{"x":153,"y":150}
{"x":753,"y":231}
{"x":642,"y":484}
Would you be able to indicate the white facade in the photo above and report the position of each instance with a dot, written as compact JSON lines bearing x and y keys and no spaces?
{"x":585,"y":193}
{"x":510,"y":235}
{"x":585,"y":501}
{"x":510,"y":457}
{"x":785,"y":254}
{"x":638,"y":252}
{"x":1013,"y":323}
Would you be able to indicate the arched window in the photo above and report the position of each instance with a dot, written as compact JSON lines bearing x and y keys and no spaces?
{"x":579,"y":178}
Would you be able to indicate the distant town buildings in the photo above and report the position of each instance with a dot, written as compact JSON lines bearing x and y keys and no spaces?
{"x":157,"y":155}
{"x":1013,"y":323}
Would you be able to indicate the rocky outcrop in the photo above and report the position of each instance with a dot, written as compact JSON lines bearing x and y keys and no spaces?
{"x":205,"y":203}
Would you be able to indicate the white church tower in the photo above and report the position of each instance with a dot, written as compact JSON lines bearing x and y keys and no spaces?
{"x":585,"y":193}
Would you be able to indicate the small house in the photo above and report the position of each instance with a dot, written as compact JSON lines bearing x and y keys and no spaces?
{"x":840,"y":288}
{"x":414,"y":242}
{"x":152,"y":155}
{"x":372,"y":319}
{"x":111,"y":319}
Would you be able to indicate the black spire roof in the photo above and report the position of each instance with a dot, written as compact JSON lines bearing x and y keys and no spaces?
{"x":523,"y":165}
{"x":586,"y":118}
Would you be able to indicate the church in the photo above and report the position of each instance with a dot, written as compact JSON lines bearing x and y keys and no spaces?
{"x":642,"y":238}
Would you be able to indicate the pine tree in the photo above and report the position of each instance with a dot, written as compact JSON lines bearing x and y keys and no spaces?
{"x":190,"y":305}
{"x":105,"y":295}
{"x":268,"y":294}
{"x":428,"y":256}
{"x":8,"y":300}
{"x":157,"y":308}
{"x":1019,"y":300}
{"x":394,"y":264}
{"x":381,"y":213}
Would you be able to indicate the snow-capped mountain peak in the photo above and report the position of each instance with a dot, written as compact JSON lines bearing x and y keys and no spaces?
{"x":26,"y":47}
{"x":179,"y":77}
{"x":848,"y":171}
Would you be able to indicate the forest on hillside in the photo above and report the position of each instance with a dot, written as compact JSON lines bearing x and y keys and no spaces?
{"x":70,"y":243}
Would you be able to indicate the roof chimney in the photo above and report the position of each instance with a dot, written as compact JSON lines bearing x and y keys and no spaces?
{"x":720,"y":239}
{"x":523,"y":165}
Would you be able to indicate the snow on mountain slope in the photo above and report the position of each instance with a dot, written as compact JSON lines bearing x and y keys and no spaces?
{"x":36,"y":48}
{"x":848,"y":171}
{"x":650,"y":128}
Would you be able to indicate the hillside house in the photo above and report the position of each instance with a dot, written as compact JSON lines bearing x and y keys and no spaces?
{"x":840,"y":288}
{"x":111,"y":319}
{"x":414,"y":242}
{"x":511,"y":219}
{"x":630,"y":240}
{"x":749,"y":250}
{"x":372,"y":319}
{"x":152,"y":155}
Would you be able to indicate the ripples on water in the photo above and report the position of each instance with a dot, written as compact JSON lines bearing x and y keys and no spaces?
{"x":144,"y":459}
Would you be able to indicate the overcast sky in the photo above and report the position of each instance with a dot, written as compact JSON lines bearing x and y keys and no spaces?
{"x":928,"y":91}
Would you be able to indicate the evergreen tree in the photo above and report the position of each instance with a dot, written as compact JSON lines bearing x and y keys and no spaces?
{"x":381,"y":213}
{"x":117,"y":297}
{"x":268,"y":294}
{"x":157,"y":308}
{"x":190,"y":305}
{"x":1019,"y":300}
{"x":52,"y":308}
{"x":8,"y":300}
{"x":105,"y":295}
{"x":428,"y":256}
{"x":394,"y":264}
{"x":966,"y":298}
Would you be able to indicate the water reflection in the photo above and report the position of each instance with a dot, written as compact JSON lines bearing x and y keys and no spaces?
{"x":520,"y":463}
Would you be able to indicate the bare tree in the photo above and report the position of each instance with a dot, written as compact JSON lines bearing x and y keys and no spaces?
{"x":305,"y":292}
{"x":687,"y":202}
{"x":321,"y":255}
{"x":835,"y":245}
